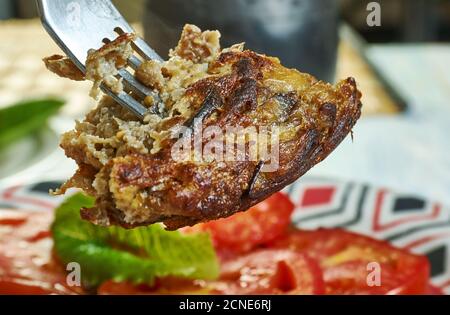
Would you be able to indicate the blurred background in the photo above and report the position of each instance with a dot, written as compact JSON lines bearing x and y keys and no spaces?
{"x":398,"y":51}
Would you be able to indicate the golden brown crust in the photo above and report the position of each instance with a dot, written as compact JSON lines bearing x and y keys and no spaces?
{"x":196,"y":45}
{"x":64,"y":67}
{"x":192,"y":193}
{"x":102,"y":65}
{"x":138,"y":181}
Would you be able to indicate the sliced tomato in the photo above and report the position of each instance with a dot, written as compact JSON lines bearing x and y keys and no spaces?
{"x":26,"y":262}
{"x":347,"y":260}
{"x":23,"y":286}
{"x":122,"y":288}
{"x":246,"y":230}
{"x":270,"y":272}
{"x":329,"y":261}
{"x":162,"y":286}
{"x":260,"y":272}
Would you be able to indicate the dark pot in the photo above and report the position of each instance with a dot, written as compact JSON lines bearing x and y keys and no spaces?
{"x":302,"y":33}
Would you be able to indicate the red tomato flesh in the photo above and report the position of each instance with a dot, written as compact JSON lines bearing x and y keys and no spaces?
{"x":260,"y":272}
{"x":260,"y":255}
{"x":244,"y":231}
{"x":26,"y":262}
{"x":344,"y":259}
{"x":270,"y":272}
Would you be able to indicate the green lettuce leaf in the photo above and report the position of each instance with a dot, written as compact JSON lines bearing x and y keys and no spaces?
{"x":138,"y":255}
{"x":21,"y":119}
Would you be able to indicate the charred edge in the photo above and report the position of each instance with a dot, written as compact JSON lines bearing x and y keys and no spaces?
{"x":328,"y":112}
{"x":303,"y":161}
{"x":245,"y":68}
{"x":300,"y":165}
{"x":245,"y":97}
{"x":212,"y":102}
{"x":254,"y":179}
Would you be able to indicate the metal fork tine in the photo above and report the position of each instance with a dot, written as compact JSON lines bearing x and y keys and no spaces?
{"x":128,"y":102}
{"x":134,"y":62}
{"x":76,"y":38}
{"x":137,"y":87}
{"x":145,"y":50}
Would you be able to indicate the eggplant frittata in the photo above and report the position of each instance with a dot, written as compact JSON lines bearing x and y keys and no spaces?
{"x":128,"y":164}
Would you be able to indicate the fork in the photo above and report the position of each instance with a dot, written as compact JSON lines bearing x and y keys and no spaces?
{"x":80,"y":25}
